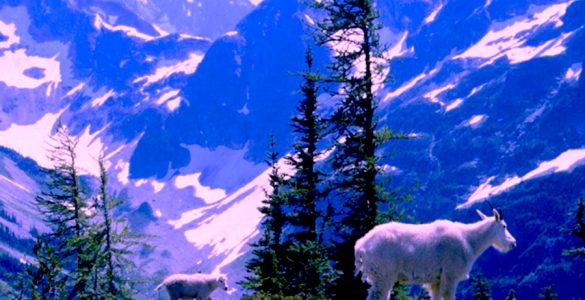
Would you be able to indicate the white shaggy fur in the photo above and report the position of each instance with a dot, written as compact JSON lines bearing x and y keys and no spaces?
{"x":438,"y":254}
{"x":192,"y":286}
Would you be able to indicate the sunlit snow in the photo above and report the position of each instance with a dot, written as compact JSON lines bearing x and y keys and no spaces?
{"x":574,"y":72}
{"x":188,"y":66}
{"x":456,"y":103}
{"x":229,"y":232}
{"x":34,"y":141}
{"x":508,"y":38}
{"x":208,"y":194}
{"x":8,"y":30}
{"x":475,"y":120}
{"x":409,"y":85}
{"x":74,"y":90}
{"x":566,"y":161}
{"x":31,"y":140}
{"x":433,"y":15}
{"x":99,"y":23}
{"x":14,"y":64}
{"x":256,"y":2}
{"x":433,"y":95}
{"x":157,"y":186}
{"x":166,"y":96}
{"x":99,"y":101}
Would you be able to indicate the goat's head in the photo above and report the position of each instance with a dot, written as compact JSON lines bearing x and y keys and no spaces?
{"x":504,"y":241}
{"x":222,"y":282}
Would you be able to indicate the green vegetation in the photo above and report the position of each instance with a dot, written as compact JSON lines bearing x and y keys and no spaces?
{"x":86,"y":254}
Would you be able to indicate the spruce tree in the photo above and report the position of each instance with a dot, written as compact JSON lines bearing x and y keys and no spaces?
{"x":547,"y":293}
{"x":358,"y":67}
{"x":306,"y":264}
{"x":511,"y":295}
{"x":64,"y":207}
{"x":45,"y":280}
{"x":117,"y":246}
{"x":481,"y":288}
{"x":578,"y":230}
{"x":264,"y":267}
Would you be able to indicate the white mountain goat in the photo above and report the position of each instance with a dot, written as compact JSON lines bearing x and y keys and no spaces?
{"x":192,"y":286}
{"x":438,"y":255}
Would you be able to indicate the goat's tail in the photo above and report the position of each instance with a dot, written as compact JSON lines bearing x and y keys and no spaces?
{"x":359,"y":261}
{"x":160,"y":286}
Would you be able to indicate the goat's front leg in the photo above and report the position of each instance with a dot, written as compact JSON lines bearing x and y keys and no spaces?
{"x":434,"y":291}
{"x":448,"y":288}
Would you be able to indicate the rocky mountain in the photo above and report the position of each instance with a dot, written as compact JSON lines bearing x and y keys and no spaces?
{"x":182,"y":106}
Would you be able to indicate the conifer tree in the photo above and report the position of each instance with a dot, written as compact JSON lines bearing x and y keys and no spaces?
{"x":306,"y":264}
{"x":46,"y":279}
{"x":64,"y":207}
{"x":578,"y":230}
{"x":264,"y":267}
{"x":511,"y":295}
{"x":547,"y":293}
{"x":117,"y":246}
{"x":481,"y":288}
{"x":358,"y":67}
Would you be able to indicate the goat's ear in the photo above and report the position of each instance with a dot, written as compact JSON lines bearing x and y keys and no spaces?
{"x":481,"y":215}
{"x":497,"y":214}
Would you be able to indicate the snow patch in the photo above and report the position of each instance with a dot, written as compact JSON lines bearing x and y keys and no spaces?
{"x":432,"y":95}
{"x":8,"y":30}
{"x":188,"y":66}
{"x":229,"y":232}
{"x":157,"y":186}
{"x":456,"y":103}
{"x":208,"y":194}
{"x":14,"y":64}
{"x":508,"y":38}
{"x":173,"y":104}
{"x":574,"y":72}
{"x":99,"y":101}
{"x":99,"y":23}
{"x":256,"y":2}
{"x":166,"y":96}
{"x":31,"y":140}
{"x":476,"y":120}
{"x":433,"y":15}
{"x":565,"y":162}
{"x":89,"y":148}
{"x":74,"y":90}
{"x":403,"y":88}
{"x":123,"y":169}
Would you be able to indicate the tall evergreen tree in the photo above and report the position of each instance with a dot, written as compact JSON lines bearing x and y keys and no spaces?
{"x":578,"y":230}
{"x":547,"y":293}
{"x":481,"y":288}
{"x":306,"y":264}
{"x":309,"y":128}
{"x":45,"y":280}
{"x":511,"y":295}
{"x":64,"y":207}
{"x":117,"y":246}
{"x":358,"y":67}
{"x":264,"y":267}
